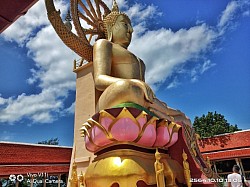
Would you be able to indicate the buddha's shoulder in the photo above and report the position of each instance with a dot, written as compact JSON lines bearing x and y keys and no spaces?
{"x":103,"y":43}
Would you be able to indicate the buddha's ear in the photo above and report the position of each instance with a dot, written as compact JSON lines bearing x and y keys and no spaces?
{"x":110,"y":36}
{"x":109,"y":30}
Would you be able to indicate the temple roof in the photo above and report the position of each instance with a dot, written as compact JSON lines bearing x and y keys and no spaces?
{"x":33,"y":158}
{"x":225,"y":146}
{"x":11,"y":10}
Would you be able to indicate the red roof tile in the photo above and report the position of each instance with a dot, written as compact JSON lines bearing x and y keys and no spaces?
{"x":236,"y":140}
{"x":13,"y":153}
{"x":23,"y":170}
{"x":223,"y":155}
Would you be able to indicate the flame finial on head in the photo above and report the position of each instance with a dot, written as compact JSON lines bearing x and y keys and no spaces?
{"x":115,"y":7}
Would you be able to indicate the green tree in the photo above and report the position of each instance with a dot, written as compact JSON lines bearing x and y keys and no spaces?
{"x":52,"y":141}
{"x":212,"y":124}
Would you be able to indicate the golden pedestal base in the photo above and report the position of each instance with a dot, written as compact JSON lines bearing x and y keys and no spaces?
{"x":128,"y":168}
{"x":135,"y":149}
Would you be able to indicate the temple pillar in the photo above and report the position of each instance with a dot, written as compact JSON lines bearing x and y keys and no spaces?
{"x":59,"y":179}
{"x":32,"y":181}
{"x":84,"y":109}
{"x":44,"y":181}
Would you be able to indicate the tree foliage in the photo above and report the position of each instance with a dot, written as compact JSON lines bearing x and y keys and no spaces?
{"x":212,"y":124}
{"x":52,"y":141}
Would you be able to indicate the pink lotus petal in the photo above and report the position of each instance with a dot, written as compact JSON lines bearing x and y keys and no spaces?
{"x":99,"y":137}
{"x":149,"y":136}
{"x":162,"y":136}
{"x":125,"y":130}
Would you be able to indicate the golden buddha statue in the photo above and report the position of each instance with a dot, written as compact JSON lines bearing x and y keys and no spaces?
{"x":159,"y":170}
{"x":120,"y":75}
{"x":186,"y":167}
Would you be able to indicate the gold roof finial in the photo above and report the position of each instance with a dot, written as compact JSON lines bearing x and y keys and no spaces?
{"x":115,"y":7}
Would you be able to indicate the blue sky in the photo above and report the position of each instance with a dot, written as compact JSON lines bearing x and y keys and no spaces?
{"x":197,"y":55}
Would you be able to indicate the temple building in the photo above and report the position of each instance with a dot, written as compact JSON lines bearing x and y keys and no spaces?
{"x":31,"y":164}
{"x":226,"y":150}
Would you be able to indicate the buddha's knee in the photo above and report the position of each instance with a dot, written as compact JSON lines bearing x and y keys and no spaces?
{"x":128,"y":88}
{"x":121,"y":92}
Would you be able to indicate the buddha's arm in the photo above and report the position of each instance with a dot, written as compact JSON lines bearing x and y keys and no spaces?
{"x":164,"y":108}
{"x":102,"y":61}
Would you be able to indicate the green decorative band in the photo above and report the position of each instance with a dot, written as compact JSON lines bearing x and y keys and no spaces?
{"x":134,"y":105}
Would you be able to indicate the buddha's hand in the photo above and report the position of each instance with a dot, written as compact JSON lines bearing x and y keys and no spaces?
{"x":148,"y":92}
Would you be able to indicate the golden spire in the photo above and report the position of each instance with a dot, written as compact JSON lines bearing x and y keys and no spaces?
{"x":115,"y":7}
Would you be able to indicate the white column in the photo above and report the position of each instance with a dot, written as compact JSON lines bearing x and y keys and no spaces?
{"x":44,"y":181}
{"x":31,"y":181}
{"x":59,"y":179}
{"x":238,"y":162}
{"x":215,"y":169}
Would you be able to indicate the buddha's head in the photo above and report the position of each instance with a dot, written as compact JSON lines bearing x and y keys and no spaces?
{"x":117,"y":27}
{"x":157,"y":155}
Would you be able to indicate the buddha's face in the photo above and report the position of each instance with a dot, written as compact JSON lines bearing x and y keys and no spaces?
{"x":157,"y":155}
{"x":122,"y":31}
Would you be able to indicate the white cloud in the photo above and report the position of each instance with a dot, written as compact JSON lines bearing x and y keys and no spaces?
{"x":139,"y":29}
{"x":206,"y":66}
{"x":31,"y":106}
{"x":228,"y":13}
{"x":54,"y":60}
{"x":54,"y":64}
{"x":246,"y":13}
{"x":141,"y":12}
{"x":174,"y":83}
{"x":199,"y":69}
{"x":6,"y":136}
{"x":24,"y":27}
{"x":2,"y":100}
{"x":69,"y":110}
{"x":164,"y":49}
{"x":231,"y":12}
